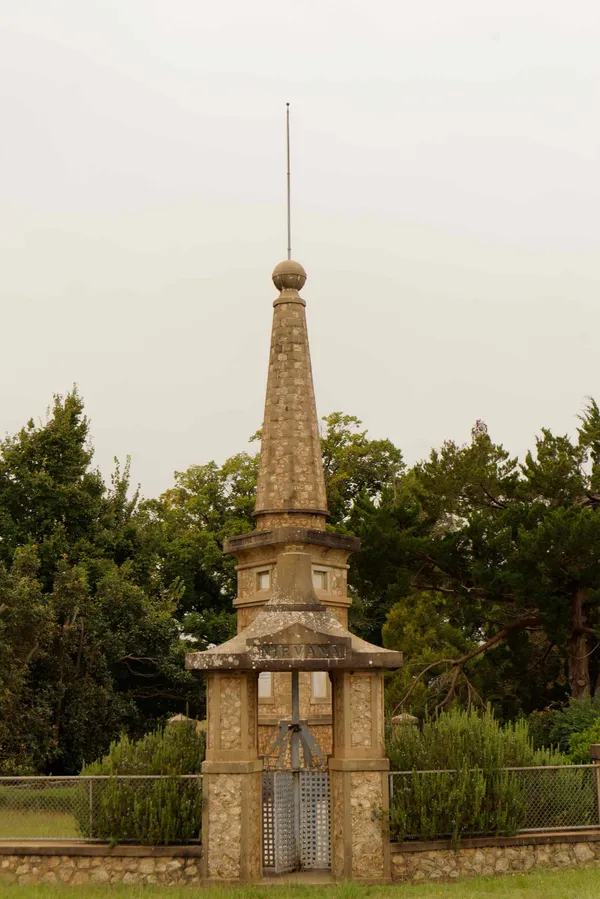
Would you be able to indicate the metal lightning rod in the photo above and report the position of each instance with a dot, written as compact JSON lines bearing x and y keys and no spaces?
{"x":289,"y":211}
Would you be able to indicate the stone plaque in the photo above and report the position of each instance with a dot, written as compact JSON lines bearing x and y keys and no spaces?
{"x":301,"y":651}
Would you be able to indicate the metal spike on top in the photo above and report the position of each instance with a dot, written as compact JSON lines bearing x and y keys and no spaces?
{"x":289,"y":211}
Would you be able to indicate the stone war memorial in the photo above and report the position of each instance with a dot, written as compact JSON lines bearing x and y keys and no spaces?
{"x":296,"y":776}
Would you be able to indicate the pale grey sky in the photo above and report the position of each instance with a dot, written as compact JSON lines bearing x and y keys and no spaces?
{"x":446,"y":192}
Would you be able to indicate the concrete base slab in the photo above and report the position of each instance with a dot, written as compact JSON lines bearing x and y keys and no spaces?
{"x":308,"y":877}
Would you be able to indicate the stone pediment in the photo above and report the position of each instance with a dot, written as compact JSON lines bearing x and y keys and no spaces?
{"x":294,"y":630}
{"x":297,"y":633}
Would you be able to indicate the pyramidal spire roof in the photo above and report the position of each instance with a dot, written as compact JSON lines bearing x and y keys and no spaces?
{"x":290,"y":481}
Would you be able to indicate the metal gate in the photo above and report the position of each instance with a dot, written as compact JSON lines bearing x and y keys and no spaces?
{"x":315,"y":827}
{"x":296,"y":820}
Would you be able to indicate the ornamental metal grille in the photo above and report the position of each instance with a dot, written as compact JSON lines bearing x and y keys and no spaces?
{"x":315,"y":830}
{"x":268,"y":818}
{"x":286,"y":854}
{"x":296,"y":820}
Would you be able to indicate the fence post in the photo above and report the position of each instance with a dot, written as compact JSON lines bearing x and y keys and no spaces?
{"x":91,"y":795}
{"x":595,"y":754}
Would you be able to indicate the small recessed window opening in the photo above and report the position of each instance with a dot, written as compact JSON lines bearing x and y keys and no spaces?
{"x":265,"y":684}
{"x":263,"y":580}
{"x":319,"y":579}
{"x":320,"y":685}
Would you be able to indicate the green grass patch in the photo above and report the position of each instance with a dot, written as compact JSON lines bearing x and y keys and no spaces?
{"x":31,"y":825}
{"x":43,"y":796}
{"x":583,"y":884}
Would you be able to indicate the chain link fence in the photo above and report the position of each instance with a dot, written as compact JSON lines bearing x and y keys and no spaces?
{"x":429,"y":805}
{"x":125,"y":808}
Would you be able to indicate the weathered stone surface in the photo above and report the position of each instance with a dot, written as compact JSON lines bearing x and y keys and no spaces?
{"x":361,"y":711}
{"x":81,"y":870}
{"x":225,"y":826}
{"x":231,"y":704}
{"x":366,"y":803}
{"x":291,"y":468}
{"x":336,"y":788}
{"x":445,"y":864}
{"x":583,"y":852}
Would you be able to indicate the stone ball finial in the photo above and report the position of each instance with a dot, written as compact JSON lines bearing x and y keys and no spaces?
{"x":289,"y":275}
{"x":404,"y":720}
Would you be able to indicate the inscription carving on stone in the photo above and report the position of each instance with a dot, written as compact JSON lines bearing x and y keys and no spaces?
{"x":301,"y":651}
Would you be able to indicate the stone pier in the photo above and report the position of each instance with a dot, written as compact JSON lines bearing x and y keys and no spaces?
{"x":231,"y":821}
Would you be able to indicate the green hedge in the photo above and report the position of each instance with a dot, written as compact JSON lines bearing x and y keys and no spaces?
{"x":147,"y":812}
{"x":144,"y":810}
{"x":475,"y":795}
{"x":450,"y":805}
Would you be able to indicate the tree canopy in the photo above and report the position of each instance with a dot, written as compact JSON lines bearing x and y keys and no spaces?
{"x":90,"y":644}
{"x":483,"y":568}
{"x":512,"y":554}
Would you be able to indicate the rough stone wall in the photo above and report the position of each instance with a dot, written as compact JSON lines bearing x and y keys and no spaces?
{"x":368,"y":822}
{"x":361,"y":712}
{"x":445,"y":864}
{"x":210,"y":702}
{"x":254,"y":824}
{"x":336,"y":789}
{"x":77,"y":870}
{"x":231,"y":707}
{"x":436,"y":865}
{"x":324,"y":737}
{"x":252,"y":702}
{"x":339,"y":710}
{"x":224,"y":825}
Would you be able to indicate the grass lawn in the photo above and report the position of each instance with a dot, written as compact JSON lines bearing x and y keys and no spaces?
{"x":29,"y":825}
{"x":583,"y":884}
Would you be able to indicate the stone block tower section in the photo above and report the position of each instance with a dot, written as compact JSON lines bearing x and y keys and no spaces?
{"x":293,"y":671}
{"x":291,"y":508}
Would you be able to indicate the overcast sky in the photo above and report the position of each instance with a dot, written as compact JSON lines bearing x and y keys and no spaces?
{"x":446,"y":206}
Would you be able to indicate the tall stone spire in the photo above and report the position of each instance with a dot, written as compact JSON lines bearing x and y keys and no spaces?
{"x":291,"y":485}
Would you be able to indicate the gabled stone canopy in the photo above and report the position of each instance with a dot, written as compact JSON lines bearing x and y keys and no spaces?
{"x":294,"y":630}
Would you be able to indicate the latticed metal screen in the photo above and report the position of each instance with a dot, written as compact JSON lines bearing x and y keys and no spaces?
{"x":286,"y":855}
{"x":315,"y":829}
{"x":268,"y":818}
{"x":296,"y":820}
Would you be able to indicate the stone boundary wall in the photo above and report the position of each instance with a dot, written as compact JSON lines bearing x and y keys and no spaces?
{"x":81,"y":863}
{"x":437,"y":861}
{"x":94,"y":863}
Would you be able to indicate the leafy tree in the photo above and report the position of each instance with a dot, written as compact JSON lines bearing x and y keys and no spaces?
{"x":355,"y":465}
{"x":91,"y":643}
{"x":25,"y":725}
{"x":516,"y":549}
{"x":426,"y":629}
{"x":187,"y":526}
{"x":556,"y":726}
{"x":579,"y":743}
